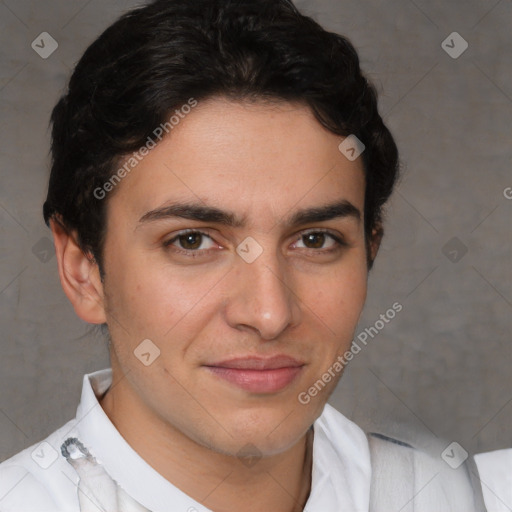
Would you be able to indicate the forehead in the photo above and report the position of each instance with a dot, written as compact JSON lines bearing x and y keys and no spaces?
{"x":263,"y":160}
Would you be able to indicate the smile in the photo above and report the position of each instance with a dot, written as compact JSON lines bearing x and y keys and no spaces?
{"x":258,"y":375}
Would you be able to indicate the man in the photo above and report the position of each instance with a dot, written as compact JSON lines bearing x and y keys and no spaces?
{"x":218,"y":177}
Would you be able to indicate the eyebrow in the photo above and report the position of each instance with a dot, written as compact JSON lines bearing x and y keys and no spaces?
{"x":203,"y":213}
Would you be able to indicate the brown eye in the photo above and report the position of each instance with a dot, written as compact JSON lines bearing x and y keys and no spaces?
{"x":320,"y":241}
{"x":190,"y":241}
{"x":314,"y":240}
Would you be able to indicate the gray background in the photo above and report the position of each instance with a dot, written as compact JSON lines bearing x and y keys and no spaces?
{"x":442,"y":366}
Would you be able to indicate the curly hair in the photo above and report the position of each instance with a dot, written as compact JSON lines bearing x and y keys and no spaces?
{"x":155,"y":58}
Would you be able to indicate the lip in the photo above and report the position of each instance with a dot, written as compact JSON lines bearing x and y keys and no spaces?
{"x":257,"y":374}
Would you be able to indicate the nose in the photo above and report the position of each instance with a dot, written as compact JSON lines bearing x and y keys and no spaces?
{"x":260,"y":298}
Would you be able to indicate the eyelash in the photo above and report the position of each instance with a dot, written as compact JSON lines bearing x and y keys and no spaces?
{"x":200,"y":252}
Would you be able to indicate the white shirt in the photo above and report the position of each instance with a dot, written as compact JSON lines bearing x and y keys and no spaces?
{"x":495,"y":469}
{"x":40,"y":479}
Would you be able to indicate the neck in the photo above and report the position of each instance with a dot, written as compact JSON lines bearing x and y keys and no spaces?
{"x":219,"y":482}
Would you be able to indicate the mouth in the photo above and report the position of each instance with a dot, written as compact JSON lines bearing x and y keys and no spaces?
{"x":258,"y":375}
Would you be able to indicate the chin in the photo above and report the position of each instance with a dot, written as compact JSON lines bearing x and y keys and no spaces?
{"x":270,"y":432}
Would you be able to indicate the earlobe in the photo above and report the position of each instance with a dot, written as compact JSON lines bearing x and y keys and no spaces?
{"x":79,"y":276}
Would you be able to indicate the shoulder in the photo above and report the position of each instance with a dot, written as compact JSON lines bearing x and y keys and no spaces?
{"x":431,"y":472}
{"x":39,"y":478}
{"x":405,"y":472}
{"x":20,"y":491}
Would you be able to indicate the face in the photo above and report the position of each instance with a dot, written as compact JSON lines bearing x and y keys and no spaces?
{"x":237,"y":247}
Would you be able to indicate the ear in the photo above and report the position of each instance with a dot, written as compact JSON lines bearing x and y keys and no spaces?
{"x":79,"y":276}
{"x":374,"y":243}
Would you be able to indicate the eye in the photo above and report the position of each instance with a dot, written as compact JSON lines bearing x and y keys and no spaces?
{"x":190,"y":241}
{"x":319,"y":240}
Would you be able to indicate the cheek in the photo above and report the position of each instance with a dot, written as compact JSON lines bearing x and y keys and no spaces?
{"x":156,"y":301}
{"x":138,"y":297}
{"x":339,"y":297}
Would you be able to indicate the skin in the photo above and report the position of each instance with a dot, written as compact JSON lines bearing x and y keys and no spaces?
{"x":296,"y":299}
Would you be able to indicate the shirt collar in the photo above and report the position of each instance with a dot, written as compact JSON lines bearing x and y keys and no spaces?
{"x":341,"y":472}
{"x":341,"y":460}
